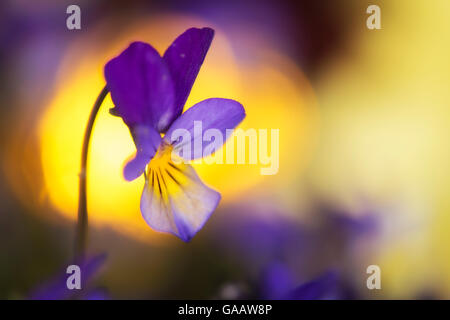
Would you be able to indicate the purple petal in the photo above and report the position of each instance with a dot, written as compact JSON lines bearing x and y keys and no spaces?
{"x":324,"y":287}
{"x":141,"y":87}
{"x":184,"y":59}
{"x":216,"y":114}
{"x":175,"y":200}
{"x":277,"y":280}
{"x":147,"y":142}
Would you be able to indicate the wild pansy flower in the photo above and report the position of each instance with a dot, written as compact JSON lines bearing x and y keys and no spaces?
{"x":149,"y":93}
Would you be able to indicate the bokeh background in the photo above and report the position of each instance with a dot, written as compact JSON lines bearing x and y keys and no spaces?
{"x":364,"y":175}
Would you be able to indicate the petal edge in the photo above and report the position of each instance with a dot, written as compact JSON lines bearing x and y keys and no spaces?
{"x":184,"y":58}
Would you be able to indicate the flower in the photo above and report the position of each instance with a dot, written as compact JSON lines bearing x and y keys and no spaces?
{"x":285,"y":258}
{"x":279,"y":284}
{"x":323,"y":287}
{"x":149,"y":93}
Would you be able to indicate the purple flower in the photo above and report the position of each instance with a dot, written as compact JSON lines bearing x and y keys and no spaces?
{"x":280,"y":254}
{"x":279,"y":283}
{"x":149,"y":93}
{"x":326,"y":286}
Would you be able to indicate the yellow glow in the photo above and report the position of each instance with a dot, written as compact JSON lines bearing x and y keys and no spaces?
{"x":273,"y":91}
{"x":386,"y":121}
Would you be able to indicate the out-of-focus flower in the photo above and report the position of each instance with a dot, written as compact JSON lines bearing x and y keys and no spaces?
{"x":149,"y":93}
{"x":290,"y":260}
{"x":56,"y":289}
{"x":279,"y":283}
{"x":323,"y":287}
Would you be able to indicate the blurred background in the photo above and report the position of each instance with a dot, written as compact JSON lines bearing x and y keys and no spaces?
{"x":364,"y":173}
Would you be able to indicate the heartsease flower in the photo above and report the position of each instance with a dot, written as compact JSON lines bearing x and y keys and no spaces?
{"x":149,"y":93}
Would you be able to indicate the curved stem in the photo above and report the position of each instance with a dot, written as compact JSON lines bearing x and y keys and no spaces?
{"x":82,"y":225}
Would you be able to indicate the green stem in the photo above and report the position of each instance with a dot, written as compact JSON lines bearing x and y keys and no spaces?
{"x":82,"y":225}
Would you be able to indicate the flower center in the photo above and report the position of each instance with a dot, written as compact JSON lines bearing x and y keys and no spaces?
{"x":162,"y":157}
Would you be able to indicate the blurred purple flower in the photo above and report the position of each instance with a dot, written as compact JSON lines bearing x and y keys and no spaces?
{"x":149,"y":93}
{"x":277,"y":280}
{"x":282,"y":253}
{"x":56,"y":289}
{"x":323,"y":287}
{"x":279,"y":283}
